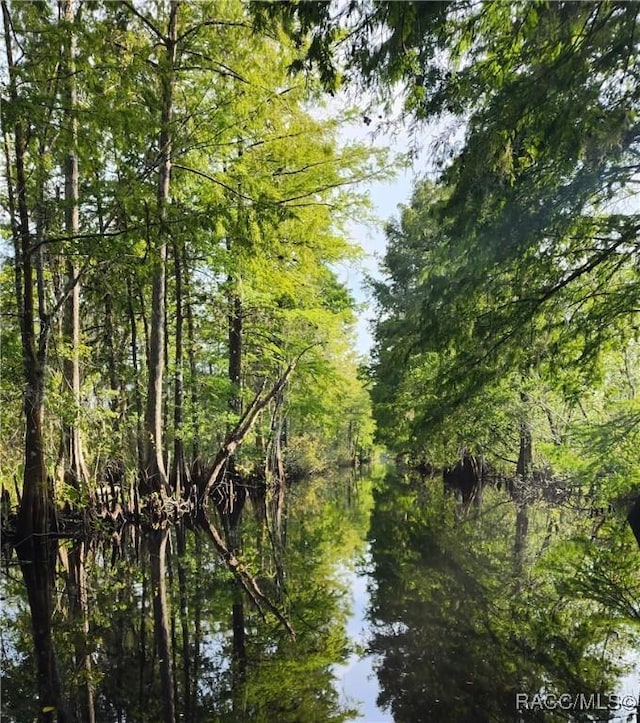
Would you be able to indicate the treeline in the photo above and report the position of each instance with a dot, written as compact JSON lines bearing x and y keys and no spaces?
{"x":173,"y":218}
{"x":174,"y":330}
{"x":508,"y":309}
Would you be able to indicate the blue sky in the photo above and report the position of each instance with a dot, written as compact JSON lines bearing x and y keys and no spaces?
{"x":385,"y":198}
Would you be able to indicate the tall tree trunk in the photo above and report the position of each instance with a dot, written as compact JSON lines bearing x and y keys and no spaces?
{"x":35,"y":546}
{"x":136,"y":385}
{"x":235,"y":317}
{"x":278,"y":431}
{"x":110,"y":346}
{"x":193,"y":369}
{"x":155,"y":467}
{"x":179,"y":483}
{"x":72,"y":463}
{"x":235,"y":350}
{"x":525,"y":453}
{"x":275,"y":464}
{"x":523,"y":472}
{"x":36,"y":504}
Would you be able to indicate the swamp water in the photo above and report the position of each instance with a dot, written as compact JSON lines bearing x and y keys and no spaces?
{"x":405,"y":608}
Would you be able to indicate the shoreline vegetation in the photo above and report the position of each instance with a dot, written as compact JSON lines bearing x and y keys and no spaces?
{"x":176,"y":342}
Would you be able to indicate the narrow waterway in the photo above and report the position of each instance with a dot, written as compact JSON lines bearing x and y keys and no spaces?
{"x":405,"y":606}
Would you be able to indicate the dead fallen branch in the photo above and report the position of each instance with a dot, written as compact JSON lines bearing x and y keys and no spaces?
{"x":244,"y":426}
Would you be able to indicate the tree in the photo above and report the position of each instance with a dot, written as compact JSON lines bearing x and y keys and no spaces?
{"x":547,"y":93}
{"x":154,"y":173}
{"x":35,"y":548}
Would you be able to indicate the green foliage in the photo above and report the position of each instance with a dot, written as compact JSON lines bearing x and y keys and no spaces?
{"x":261,"y":190}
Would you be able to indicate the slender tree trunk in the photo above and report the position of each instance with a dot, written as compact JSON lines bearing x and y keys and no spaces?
{"x":155,"y":466}
{"x":110,"y":346}
{"x":525,"y":454}
{"x":523,"y":472}
{"x":136,"y":384}
{"x":167,"y":385}
{"x":179,"y":482}
{"x":35,"y":547}
{"x":36,"y":505}
{"x":275,"y":463}
{"x":193,"y":369}
{"x":235,"y":351}
{"x":72,"y":465}
{"x":113,"y":352}
{"x":235,"y":322}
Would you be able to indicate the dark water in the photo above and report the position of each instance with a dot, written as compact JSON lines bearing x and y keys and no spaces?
{"x":405,"y":607}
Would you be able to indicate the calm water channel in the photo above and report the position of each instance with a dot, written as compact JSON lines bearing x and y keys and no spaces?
{"x":405,"y":607}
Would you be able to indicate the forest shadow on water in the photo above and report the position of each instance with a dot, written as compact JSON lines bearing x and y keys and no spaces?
{"x":503,"y":611}
{"x":498,"y":612}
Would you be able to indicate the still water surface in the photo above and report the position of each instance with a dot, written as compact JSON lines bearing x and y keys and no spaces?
{"x":405,"y":606}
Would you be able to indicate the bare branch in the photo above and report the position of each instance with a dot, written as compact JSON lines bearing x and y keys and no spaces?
{"x":145,"y":20}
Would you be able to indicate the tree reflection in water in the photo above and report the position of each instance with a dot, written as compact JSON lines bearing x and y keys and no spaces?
{"x":161,"y":619}
{"x":467,"y":611}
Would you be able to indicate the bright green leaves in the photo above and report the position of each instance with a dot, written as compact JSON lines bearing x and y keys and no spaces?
{"x":261,"y":190}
